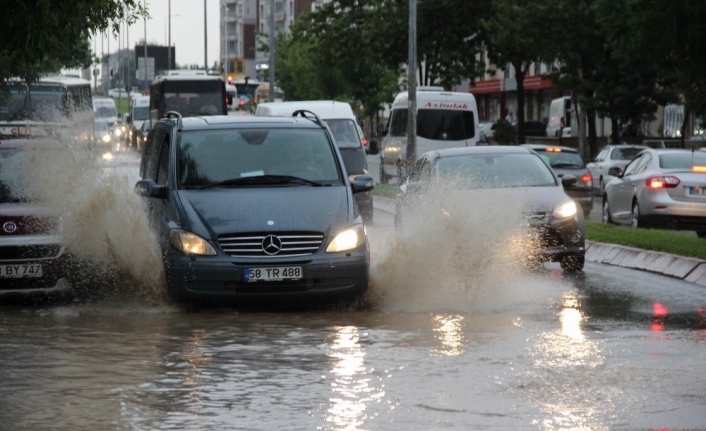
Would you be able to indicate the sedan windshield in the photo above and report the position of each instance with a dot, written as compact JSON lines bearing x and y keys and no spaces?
{"x":562,"y":160}
{"x":215,"y":156}
{"x":685,"y":160}
{"x":494,"y":171}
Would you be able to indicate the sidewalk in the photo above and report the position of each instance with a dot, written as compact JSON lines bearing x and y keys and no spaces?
{"x":684,"y":268}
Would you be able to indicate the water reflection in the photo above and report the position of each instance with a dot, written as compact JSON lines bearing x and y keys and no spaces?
{"x":449,"y":329}
{"x":352,"y":391}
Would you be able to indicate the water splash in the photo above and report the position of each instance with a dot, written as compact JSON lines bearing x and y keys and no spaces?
{"x":104,"y":224}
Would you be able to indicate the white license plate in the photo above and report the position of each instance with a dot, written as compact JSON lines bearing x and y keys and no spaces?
{"x":274,"y":274}
{"x":697,"y":191}
{"x":33,"y":270}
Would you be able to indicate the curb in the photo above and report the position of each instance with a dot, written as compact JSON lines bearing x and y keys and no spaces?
{"x":688,"y":269}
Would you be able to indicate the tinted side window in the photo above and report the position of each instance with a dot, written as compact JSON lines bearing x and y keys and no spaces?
{"x":151,"y":154}
{"x":163,"y":168}
{"x":398,"y":122}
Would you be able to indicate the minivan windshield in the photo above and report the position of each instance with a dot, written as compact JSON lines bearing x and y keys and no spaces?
{"x":490,"y":171}
{"x":106,"y":112}
{"x":142,"y":113}
{"x":213,"y":156}
{"x":344,"y":133}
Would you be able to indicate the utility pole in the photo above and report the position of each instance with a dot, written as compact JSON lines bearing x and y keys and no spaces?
{"x":412,"y":88}
{"x":272,"y":51}
{"x":127,"y":63}
{"x":120,"y":64}
{"x":205,"y":37}
{"x":145,"y":56}
{"x":225,"y":33}
{"x":169,"y":43}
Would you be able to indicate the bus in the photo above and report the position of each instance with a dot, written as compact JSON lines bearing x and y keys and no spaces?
{"x":189,"y":95}
{"x":57,"y":105}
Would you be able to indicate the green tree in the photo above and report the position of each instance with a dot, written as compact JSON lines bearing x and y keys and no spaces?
{"x":516,"y":33}
{"x":40,"y":36}
{"x":670,"y":35}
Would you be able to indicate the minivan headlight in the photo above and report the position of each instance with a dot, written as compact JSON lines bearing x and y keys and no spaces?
{"x":349,"y":239}
{"x":565,"y":210}
{"x":190,"y":243}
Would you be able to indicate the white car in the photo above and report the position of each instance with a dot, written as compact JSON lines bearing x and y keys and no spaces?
{"x":611,"y":156}
{"x":487,"y":128}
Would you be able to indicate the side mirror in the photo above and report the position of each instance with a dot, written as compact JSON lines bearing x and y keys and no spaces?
{"x":569,"y":181}
{"x":129,"y":119}
{"x":150,"y":189}
{"x":381,"y":130}
{"x":615,"y":171}
{"x":363,"y":183}
{"x":374,"y":146}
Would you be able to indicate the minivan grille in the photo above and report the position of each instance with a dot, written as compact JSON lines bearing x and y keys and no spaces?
{"x":271,"y":244}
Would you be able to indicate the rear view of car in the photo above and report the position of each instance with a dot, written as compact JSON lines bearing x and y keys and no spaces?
{"x":568,"y":161}
{"x":660,"y":188}
{"x":32,"y":259}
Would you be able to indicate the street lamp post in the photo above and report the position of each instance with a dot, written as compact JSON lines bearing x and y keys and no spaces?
{"x":272,"y":51}
{"x":169,"y":41}
{"x":412,"y":87}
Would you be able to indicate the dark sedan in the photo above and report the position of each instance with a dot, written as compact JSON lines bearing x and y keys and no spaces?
{"x":510,"y":175}
{"x":568,"y":161}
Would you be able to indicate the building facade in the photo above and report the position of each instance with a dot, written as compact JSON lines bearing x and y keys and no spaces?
{"x":241,"y":21}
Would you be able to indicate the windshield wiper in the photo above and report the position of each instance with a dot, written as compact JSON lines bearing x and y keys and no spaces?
{"x":259,"y":180}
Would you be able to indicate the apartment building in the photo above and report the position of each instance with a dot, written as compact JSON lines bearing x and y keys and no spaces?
{"x":242,"y":20}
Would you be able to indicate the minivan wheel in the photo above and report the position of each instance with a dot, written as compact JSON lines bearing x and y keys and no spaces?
{"x":572,"y":263}
{"x":606,"y":211}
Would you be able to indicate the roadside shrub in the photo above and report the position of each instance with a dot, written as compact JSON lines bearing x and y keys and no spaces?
{"x":504,"y":133}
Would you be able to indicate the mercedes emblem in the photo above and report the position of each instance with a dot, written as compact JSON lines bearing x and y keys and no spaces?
{"x":271,"y":245}
{"x":9,"y":227}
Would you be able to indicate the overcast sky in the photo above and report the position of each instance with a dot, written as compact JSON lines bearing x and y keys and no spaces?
{"x":187,"y":30}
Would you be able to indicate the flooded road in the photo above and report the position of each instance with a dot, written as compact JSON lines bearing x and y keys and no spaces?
{"x":607,"y":349}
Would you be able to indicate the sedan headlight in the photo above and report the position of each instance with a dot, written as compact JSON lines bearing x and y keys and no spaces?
{"x":190,"y":243}
{"x":565,"y":210}
{"x":349,"y":239}
{"x":106,"y":138}
{"x":118,"y":131}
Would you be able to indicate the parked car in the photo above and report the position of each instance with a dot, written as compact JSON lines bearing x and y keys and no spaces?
{"x":659,"y":188}
{"x":534,"y":128}
{"x":33,"y":260}
{"x":568,"y":161}
{"x":487,"y":128}
{"x":611,"y":156}
{"x":254,"y":208}
{"x":511,"y":174}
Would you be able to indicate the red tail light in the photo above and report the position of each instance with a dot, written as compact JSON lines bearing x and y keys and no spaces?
{"x":365,"y":142}
{"x":587,"y":177}
{"x":241,"y":103}
{"x":668,"y":182}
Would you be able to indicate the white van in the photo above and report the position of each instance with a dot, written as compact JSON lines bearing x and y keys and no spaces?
{"x":139,"y":111}
{"x":560,"y":114}
{"x":104,"y":111}
{"x":444,"y":120}
{"x":342,"y":122}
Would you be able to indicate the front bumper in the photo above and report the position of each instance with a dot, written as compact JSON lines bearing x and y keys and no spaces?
{"x":324,"y":276}
{"x":555,"y":239}
{"x":43,"y":250}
